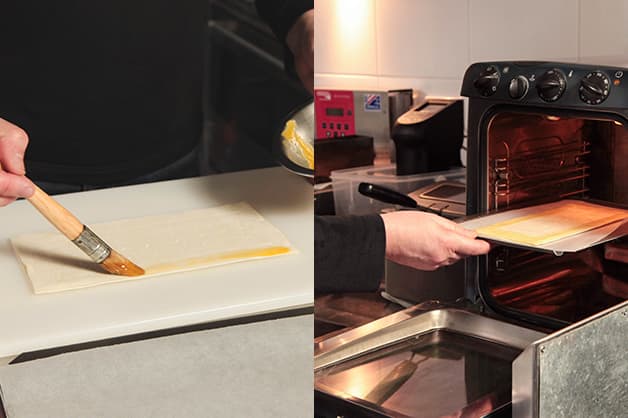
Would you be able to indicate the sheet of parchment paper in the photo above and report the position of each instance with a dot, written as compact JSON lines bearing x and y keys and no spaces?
{"x":261,"y":370}
{"x":563,"y":226}
{"x":160,"y":244}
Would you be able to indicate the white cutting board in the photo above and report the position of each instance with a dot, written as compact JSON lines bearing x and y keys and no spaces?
{"x":30,"y":322}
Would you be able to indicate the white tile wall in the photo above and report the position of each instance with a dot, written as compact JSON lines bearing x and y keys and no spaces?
{"x":345,"y":37}
{"x":444,"y":87}
{"x":427,"y":44}
{"x":350,"y":82}
{"x":422,"y":38}
{"x":526,"y":30}
{"x":604,"y":32}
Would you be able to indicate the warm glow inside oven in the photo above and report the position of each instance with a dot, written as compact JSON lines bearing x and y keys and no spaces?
{"x":538,"y":157}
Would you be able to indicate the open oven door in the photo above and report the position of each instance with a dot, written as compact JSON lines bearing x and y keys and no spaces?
{"x":580,"y":370}
{"x":425,"y":361}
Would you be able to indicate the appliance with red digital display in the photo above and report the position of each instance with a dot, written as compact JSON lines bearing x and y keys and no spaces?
{"x":335,"y":113}
{"x":345,"y":113}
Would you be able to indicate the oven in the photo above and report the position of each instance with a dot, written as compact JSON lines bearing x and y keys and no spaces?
{"x":565,"y":137}
{"x":538,"y":335}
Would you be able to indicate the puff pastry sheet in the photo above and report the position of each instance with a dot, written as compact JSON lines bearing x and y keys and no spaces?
{"x":563,"y":226}
{"x":160,"y":244}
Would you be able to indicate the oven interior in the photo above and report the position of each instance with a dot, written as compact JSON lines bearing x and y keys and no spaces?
{"x":537,"y":157}
{"x":440,"y":373}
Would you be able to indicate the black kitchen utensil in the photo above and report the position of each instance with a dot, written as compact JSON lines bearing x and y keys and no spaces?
{"x":384,"y":194}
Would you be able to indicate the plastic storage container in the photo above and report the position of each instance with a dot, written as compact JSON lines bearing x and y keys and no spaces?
{"x":348,"y":201}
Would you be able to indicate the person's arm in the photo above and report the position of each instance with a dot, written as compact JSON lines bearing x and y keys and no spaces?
{"x":348,"y":253}
{"x":13,"y":183}
{"x":292,"y":22}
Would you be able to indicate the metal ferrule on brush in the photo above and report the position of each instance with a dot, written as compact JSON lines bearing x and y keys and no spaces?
{"x":92,"y":245}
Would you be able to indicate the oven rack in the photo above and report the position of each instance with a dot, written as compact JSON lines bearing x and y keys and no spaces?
{"x":558,"y":170}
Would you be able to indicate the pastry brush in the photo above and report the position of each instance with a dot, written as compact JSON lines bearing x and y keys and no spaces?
{"x":83,"y":237}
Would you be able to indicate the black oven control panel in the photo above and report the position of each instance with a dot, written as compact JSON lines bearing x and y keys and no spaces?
{"x":548,"y":84}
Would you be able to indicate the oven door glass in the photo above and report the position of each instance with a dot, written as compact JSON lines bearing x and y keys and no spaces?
{"x":438,"y":374}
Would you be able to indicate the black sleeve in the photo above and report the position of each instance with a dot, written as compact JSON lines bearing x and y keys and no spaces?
{"x":349,"y":253}
{"x":280,"y":15}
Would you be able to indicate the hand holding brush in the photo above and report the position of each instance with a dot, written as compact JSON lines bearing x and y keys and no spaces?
{"x":83,"y":237}
{"x":14,"y":184}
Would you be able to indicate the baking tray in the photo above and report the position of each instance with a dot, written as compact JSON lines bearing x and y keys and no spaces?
{"x":598,"y":233}
{"x":436,"y":363}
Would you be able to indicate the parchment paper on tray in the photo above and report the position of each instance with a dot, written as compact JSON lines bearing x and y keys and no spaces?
{"x":558,"y":227}
{"x":261,"y":369}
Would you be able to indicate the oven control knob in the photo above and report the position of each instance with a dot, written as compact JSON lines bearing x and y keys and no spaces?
{"x":594,"y":88}
{"x":518,"y":87}
{"x":488,"y":80}
{"x":551,"y":85}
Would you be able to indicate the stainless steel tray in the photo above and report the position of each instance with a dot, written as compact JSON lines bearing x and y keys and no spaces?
{"x":413,"y":322}
{"x":428,"y":364}
{"x":579,"y":370}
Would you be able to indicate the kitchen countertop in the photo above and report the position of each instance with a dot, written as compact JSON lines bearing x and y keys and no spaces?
{"x":31,"y":322}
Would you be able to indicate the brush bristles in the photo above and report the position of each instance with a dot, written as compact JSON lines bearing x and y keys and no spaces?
{"x":120,"y":265}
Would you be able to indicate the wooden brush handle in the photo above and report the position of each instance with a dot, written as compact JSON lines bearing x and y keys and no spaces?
{"x":59,"y":216}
